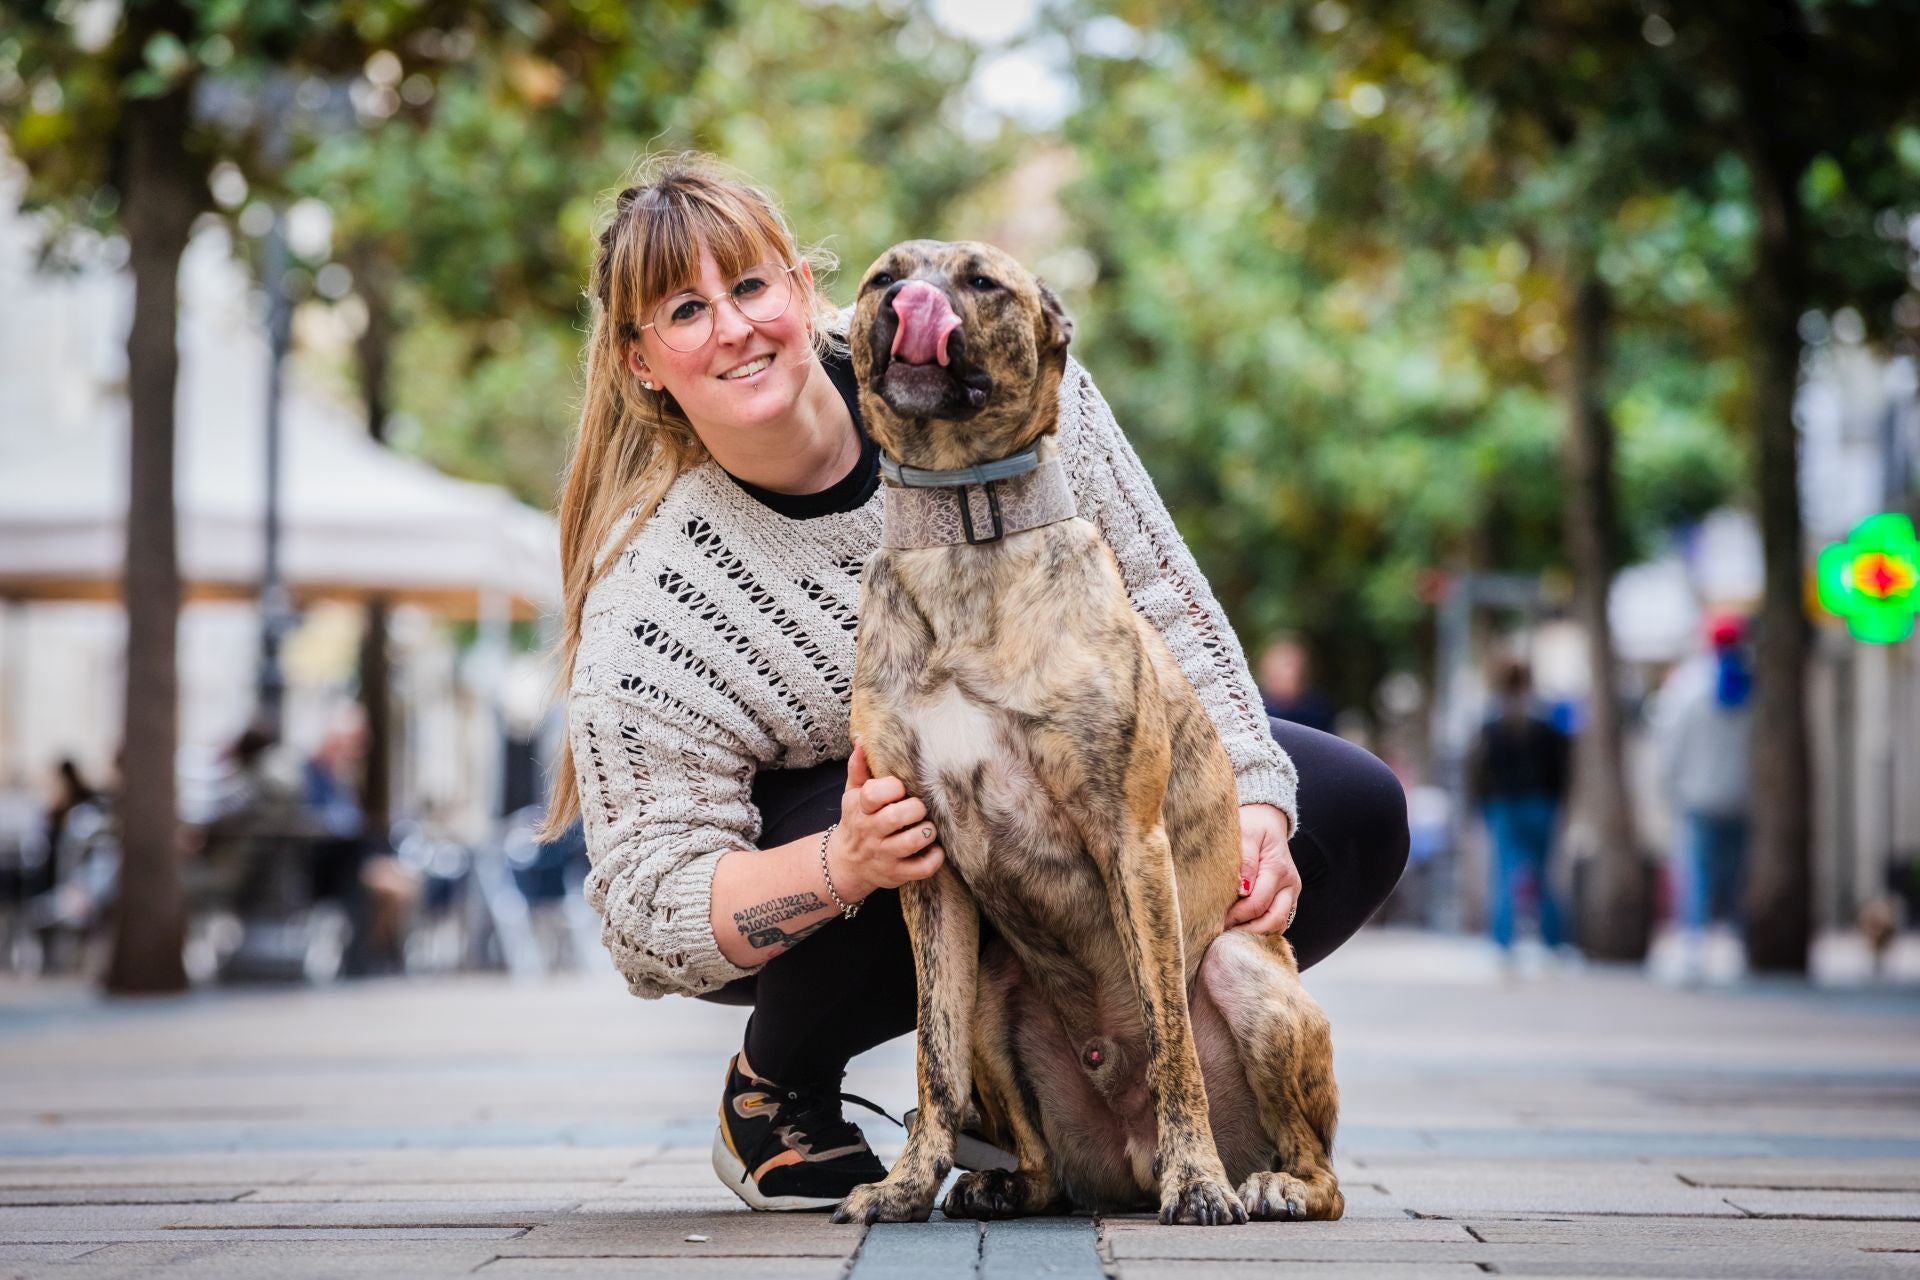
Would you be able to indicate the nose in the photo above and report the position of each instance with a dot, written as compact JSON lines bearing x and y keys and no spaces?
{"x":730,"y":324}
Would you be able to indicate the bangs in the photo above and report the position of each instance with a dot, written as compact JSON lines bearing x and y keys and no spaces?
{"x":681,"y":219}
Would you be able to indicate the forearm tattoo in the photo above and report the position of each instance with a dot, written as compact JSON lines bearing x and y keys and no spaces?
{"x":760,"y":924}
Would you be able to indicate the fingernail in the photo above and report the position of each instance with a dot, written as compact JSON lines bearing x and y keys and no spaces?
{"x":1246,"y":886}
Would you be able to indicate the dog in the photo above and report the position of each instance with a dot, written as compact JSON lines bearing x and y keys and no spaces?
{"x":1127,"y":1051}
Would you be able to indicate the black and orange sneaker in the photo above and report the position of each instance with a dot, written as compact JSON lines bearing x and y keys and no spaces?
{"x":784,"y":1149}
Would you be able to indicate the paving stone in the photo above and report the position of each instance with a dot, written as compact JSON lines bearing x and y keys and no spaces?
{"x":44,"y":1252}
{"x":1054,"y":1248}
{"x":732,"y":1268}
{"x":1489,"y":1186}
{"x":246,"y":1260}
{"x":1762,"y":1235}
{"x":664,"y":1233}
{"x":452,"y":1192}
{"x":1161,"y":1269}
{"x":1807,"y":1175}
{"x":63,"y":1195}
{"x":1400,"y":1229}
{"x":933,"y":1250}
{"x":1828,"y":1204}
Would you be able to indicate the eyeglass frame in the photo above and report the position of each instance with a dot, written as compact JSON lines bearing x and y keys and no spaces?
{"x":713,"y":304}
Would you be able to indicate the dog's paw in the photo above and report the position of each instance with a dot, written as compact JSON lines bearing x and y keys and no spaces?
{"x":886,"y":1201}
{"x":996,"y":1193}
{"x":1271,"y":1196}
{"x":1200,"y":1199}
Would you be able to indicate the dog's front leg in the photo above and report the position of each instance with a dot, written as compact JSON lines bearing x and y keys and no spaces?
{"x":1140,"y":887}
{"x":944,"y":925}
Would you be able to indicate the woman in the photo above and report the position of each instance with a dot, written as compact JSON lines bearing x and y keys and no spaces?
{"x":721,"y":501}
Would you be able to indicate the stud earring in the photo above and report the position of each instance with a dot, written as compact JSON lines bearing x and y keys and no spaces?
{"x":649,"y":386}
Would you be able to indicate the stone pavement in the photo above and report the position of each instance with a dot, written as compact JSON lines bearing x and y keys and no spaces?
{"x":1586,"y":1123}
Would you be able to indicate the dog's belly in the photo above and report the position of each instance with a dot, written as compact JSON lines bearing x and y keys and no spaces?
{"x":1098,"y":1119}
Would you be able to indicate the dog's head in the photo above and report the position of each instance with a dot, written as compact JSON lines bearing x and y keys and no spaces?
{"x":959,"y":351}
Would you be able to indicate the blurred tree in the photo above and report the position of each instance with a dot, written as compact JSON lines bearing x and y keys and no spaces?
{"x":1415,"y":188}
{"x":1614,"y":160}
{"x":120,"y":114}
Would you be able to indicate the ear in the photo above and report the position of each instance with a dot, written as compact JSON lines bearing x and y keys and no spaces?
{"x":1059,"y":325}
{"x":637,"y":363}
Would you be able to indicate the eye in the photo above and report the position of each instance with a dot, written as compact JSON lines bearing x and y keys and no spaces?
{"x":982,"y":283}
{"x":749,"y":286}
{"x":880,"y":280}
{"x":685,"y":310}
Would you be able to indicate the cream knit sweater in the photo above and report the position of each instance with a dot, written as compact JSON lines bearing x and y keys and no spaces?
{"x":722,"y":643}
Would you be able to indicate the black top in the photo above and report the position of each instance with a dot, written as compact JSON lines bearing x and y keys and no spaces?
{"x":1520,"y":758}
{"x":851,"y":491}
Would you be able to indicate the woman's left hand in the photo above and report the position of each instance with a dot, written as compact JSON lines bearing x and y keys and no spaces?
{"x":1266,"y":865}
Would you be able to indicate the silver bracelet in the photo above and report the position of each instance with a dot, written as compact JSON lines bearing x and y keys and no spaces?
{"x":849,"y":912}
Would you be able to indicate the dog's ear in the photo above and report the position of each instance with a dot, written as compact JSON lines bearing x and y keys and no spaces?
{"x":1059,"y":323}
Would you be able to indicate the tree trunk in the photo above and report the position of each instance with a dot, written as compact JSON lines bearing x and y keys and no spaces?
{"x":1615,"y":914}
{"x":161,"y":199}
{"x":1779,"y":899}
{"x":376,"y":676}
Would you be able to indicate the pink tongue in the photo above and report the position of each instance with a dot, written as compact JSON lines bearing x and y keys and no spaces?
{"x":926,"y":318}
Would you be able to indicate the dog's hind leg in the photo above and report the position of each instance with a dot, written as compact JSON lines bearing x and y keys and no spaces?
{"x":1286,"y":1049}
{"x":944,"y":926}
{"x":1009,"y":1107}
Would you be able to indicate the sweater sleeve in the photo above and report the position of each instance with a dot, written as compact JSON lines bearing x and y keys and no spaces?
{"x":1166,"y":587}
{"x":659,"y":807}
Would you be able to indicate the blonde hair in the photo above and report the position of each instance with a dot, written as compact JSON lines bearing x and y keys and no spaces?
{"x":634,"y":443}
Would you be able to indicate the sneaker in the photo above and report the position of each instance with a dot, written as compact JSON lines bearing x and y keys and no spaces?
{"x":781,"y":1149}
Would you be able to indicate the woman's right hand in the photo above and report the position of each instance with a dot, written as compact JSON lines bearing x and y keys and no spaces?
{"x":884,"y":838}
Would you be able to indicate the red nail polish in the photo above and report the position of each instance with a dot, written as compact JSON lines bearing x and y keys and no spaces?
{"x":1246,"y":886}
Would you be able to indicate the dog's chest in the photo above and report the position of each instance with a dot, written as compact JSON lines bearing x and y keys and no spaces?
{"x":978,"y":776}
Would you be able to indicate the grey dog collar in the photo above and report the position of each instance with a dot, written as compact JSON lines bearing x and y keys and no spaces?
{"x":973,"y":505}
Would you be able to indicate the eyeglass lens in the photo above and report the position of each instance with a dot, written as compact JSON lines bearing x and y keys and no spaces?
{"x":685,"y":321}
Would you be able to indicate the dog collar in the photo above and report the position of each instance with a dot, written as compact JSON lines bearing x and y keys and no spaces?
{"x":973,"y":505}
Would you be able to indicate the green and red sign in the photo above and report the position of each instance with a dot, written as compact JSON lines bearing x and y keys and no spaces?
{"x":1873,"y":578}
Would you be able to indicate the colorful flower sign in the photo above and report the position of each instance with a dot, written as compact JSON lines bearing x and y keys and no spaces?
{"x":1873,"y":578}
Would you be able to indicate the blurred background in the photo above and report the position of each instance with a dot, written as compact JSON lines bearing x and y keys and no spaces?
{"x":1535,"y":384}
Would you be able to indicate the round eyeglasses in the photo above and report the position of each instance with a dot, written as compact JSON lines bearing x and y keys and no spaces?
{"x":685,"y":321}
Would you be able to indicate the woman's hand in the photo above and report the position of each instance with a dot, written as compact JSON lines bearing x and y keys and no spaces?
{"x":1267,"y":872}
{"x":884,"y":838}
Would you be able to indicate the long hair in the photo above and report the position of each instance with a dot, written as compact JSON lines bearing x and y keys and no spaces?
{"x":634,"y":443}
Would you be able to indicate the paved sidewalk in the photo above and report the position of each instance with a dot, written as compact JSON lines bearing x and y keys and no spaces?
{"x":1589,"y":1124}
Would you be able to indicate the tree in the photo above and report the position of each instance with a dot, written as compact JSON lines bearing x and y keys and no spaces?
{"x":1455,"y":182}
{"x":100,"y":106}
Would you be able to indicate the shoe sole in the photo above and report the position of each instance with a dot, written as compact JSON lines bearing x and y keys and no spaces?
{"x":734,"y":1173}
{"x":971,"y":1153}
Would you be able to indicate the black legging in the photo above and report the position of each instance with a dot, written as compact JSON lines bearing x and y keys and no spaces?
{"x":851,"y":986}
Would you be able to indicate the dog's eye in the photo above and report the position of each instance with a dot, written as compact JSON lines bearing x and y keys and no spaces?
{"x":880,"y":280}
{"x":982,"y":282}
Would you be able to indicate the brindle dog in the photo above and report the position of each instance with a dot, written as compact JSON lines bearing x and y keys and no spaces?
{"x":1122,"y":1045}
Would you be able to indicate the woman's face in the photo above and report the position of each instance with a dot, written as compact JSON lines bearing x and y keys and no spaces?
{"x":708,"y":382}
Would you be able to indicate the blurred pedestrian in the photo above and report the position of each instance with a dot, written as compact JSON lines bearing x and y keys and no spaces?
{"x":1519,"y":774}
{"x":1702,"y":743}
{"x":1286,"y":685}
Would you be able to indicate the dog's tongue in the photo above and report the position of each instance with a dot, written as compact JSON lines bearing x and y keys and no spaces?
{"x":926,"y":319}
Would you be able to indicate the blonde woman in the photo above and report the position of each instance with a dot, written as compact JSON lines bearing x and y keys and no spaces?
{"x":721,"y":500}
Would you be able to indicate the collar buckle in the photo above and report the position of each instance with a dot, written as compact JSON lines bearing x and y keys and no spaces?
{"x":966,"y":512}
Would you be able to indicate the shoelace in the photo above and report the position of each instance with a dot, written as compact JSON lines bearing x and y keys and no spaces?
{"x":817,"y":1114}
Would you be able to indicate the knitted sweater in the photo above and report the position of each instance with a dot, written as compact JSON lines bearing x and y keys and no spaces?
{"x":722,"y":643}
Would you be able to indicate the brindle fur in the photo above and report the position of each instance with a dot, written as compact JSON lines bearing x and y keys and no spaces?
{"x":1088,"y":811}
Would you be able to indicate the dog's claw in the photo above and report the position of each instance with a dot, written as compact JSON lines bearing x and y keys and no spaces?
{"x":1201,"y":1200}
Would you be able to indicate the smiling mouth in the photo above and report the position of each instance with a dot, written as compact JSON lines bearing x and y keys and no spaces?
{"x":746,"y":370}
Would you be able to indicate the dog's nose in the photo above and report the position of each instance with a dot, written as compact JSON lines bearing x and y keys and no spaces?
{"x":926,"y":322}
